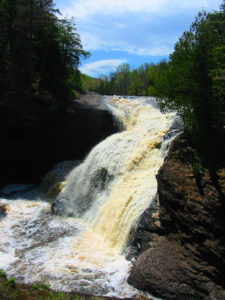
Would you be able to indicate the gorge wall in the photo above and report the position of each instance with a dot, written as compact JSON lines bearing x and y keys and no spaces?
{"x":34,"y":139}
{"x":182,"y":236}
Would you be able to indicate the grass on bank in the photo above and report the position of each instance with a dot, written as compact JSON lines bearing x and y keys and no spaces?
{"x":11,"y":290}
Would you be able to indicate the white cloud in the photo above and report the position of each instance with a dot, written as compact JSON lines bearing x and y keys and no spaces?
{"x":101,"y":66}
{"x":134,"y":26}
{"x":141,"y":38}
{"x":151,"y":51}
{"x":145,"y":27}
{"x":81,"y":9}
{"x":91,"y":40}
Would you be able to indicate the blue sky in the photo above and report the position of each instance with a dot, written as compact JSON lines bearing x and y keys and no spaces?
{"x":130,"y":31}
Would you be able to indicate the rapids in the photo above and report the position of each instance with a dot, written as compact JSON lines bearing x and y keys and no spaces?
{"x":82,"y":247}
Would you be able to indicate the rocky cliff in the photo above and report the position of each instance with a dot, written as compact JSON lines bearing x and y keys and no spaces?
{"x":33,"y":138}
{"x":181,"y":238}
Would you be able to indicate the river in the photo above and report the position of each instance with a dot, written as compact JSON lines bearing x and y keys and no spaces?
{"x":83,"y":247}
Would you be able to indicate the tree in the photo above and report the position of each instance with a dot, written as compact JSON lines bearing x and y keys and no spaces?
{"x":157,"y":84}
{"x":39,"y":53}
{"x":194,"y":84}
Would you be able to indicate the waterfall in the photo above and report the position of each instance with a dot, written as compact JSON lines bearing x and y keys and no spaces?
{"x":81,"y":248}
{"x":117,"y":182}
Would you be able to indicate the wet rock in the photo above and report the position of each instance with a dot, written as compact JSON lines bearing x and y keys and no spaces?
{"x":56,"y":189}
{"x":3,"y":210}
{"x":147,"y":229}
{"x":186,"y":259}
{"x":160,"y":268}
{"x":82,"y":189}
{"x":59,"y":207}
{"x":217,"y":295}
{"x":57,"y":175}
{"x":221,"y":179}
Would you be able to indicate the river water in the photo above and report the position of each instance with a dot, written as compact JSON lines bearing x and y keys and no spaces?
{"x":83,"y":249}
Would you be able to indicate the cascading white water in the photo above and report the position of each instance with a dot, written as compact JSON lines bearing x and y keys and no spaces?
{"x":106,"y":196}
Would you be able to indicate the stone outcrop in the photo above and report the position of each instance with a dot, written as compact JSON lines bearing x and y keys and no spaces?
{"x":56,"y":189}
{"x":182,"y":244}
{"x":33,"y":139}
{"x":55,"y":179}
{"x":3,"y":210}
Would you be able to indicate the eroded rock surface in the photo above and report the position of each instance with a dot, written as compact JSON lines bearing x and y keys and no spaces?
{"x":33,"y":139}
{"x":185,"y":259}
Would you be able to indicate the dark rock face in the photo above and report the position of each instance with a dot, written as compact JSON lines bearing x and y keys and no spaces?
{"x":186,"y":259}
{"x":147,"y":229}
{"x":32,"y":142}
{"x":161,"y":266}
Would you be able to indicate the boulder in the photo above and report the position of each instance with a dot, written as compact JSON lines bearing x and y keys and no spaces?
{"x":3,"y":210}
{"x":56,"y":189}
{"x":186,"y":259}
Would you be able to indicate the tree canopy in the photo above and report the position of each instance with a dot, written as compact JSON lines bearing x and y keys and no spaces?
{"x":39,"y":53}
{"x":194,"y":83}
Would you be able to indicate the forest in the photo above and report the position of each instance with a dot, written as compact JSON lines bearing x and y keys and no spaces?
{"x":39,"y":55}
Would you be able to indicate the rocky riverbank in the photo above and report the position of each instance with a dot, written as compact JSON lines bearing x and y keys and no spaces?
{"x":181,"y":238}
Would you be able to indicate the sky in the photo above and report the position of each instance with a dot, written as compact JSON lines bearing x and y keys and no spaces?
{"x":130,"y":31}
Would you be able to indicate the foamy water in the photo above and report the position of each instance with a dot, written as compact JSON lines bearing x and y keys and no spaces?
{"x":106,"y":195}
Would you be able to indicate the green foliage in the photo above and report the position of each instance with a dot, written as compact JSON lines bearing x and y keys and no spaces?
{"x":89,"y":83}
{"x":148,"y":79}
{"x":123,"y":81}
{"x":2,"y":274}
{"x":34,"y":291}
{"x":1,"y":287}
{"x":196,"y":164}
{"x":40,"y":286}
{"x":194,"y":84}
{"x":12,"y":282}
{"x":39,"y":53}
{"x":157,"y":79}
{"x":76,"y":83}
{"x":27,"y":294}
